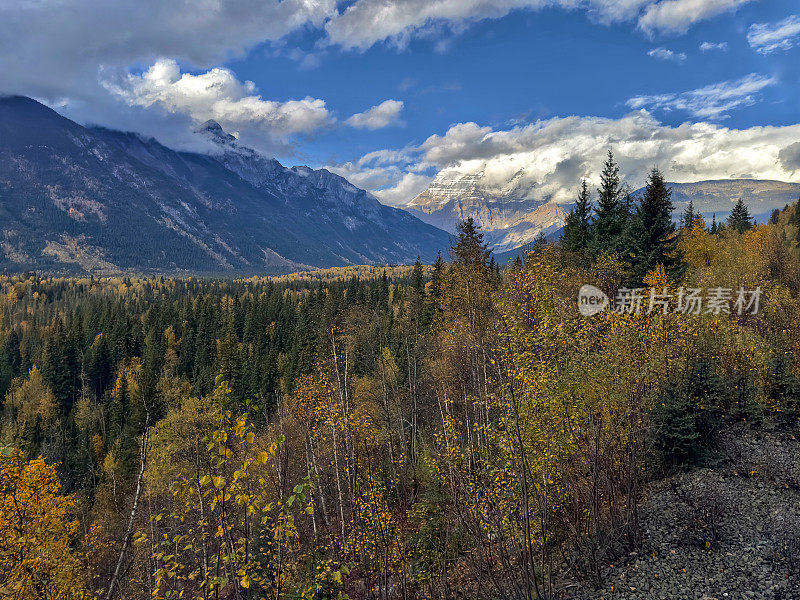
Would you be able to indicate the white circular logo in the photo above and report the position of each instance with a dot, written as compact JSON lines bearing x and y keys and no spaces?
{"x":591,"y":300}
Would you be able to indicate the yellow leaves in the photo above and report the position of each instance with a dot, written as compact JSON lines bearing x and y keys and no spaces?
{"x":657,"y":278}
{"x":36,"y":532}
{"x":218,"y":481}
{"x":250,"y":437}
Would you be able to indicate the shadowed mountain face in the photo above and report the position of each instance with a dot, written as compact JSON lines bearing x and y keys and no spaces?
{"x":78,"y":199}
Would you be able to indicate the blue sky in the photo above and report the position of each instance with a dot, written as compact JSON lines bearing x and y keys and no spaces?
{"x":526,"y":66}
{"x":391,"y":93}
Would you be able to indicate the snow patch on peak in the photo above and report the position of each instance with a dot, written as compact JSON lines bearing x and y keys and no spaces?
{"x":214,"y":131}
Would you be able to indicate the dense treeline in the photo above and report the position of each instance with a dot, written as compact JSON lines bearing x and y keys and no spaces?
{"x":453,"y":431}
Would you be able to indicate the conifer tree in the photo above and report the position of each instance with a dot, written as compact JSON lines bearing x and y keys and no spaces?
{"x":576,"y":229}
{"x":657,"y":244}
{"x":470,"y":249}
{"x":689,"y":216}
{"x":418,"y":278}
{"x":609,"y":219}
{"x":434,"y":299}
{"x":740,"y":219}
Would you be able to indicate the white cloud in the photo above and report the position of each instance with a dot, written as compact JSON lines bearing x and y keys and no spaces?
{"x":676,"y":16}
{"x":409,"y":186}
{"x":218,"y":95}
{"x":770,"y":37}
{"x":712,"y":101}
{"x":367,"y":22}
{"x":547,"y":159}
{"x":664,"y":54}
{"x":305,"y":60}
{"x":52,"y":48}
{"x":384,"y":114}
{"x":709,"y":46}
{"x":63,"y":51}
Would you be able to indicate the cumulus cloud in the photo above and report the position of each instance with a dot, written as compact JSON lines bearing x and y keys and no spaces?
{"x":676,"y":16}
{"x":664,"y":54}
{"x":53,"y":48}
{"x":384,"y":114}
{"x":771,"y":37}
{"x":62,"y":52}
{"x":709,"y":46}
{"x":217,"y":94}
{"x":67,"y":52}
{"x":547,"y":159}
{"x":366,"y":22}
{"x":712,"y":101}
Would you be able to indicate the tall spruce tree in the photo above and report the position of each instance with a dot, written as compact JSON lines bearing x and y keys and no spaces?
{"x":433,"y":302}
{"x":609,"y":215}
{"x":740,"y":219}
{"x":470,"y":249}
{"x":576,"y":229}
{"x":658,"y":243}
{"x":418,"y":278}
{"x":689,"y":216}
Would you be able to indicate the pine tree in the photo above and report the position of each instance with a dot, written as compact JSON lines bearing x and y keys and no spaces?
{"x":609,"y":218}
{"x":469,"y":248}
{"x":539,"y":243}
{"x":657,"y":245}
{"x":740,"y":219}
{"x":714,"y":227}
{"x":794,"y":219}
{"x":689,"y":216}
{"x":576,"y":229}
{"x":418,"y":278}
{"x":783,"y":386}
{"x":675,"y":432}
{"x":434,"y":300}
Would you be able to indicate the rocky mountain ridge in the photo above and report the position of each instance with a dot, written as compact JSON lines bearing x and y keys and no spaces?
{"x":86,"y":199}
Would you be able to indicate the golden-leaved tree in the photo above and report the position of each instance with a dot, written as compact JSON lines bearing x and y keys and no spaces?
{"x":38,"y":559}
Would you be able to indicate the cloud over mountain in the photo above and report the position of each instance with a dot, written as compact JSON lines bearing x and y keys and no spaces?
{"x":547,"y":159}
{"x":218,"y":95}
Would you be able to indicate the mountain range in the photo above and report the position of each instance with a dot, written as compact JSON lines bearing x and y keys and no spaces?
{"x":514,"y":212}
{"x":88,"y":199}
{"x":77,"y":199}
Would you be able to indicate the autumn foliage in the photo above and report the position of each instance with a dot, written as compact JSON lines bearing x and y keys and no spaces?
{"x":452,"y":431}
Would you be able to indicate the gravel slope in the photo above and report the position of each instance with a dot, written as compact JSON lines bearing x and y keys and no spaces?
{"x":731,"y":531}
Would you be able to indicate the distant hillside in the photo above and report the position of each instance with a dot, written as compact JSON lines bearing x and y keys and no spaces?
{"x":513,"y":215}
{"x":78,"y":199}
{"x":508,"y":217}
{"x":719,"y":196}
